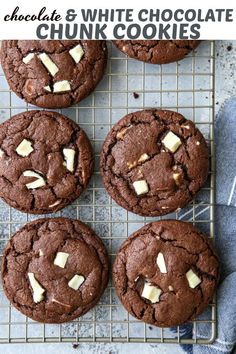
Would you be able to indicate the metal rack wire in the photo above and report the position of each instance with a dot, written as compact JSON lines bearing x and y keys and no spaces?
{"x":187,"y":87}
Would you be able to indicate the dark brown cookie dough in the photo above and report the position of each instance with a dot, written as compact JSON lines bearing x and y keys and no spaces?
{"x":156,"y":52}
{"x":174,"y":258}
{"x":74,"y":67}
{"x":46,"y":161}
{"x":33,"y":249}
{"x":134,"y":151}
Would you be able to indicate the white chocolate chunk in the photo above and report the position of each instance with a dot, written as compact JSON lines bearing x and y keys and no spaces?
{"x":141,"y":187}
{"x":61,"y":259}
{"x":48,"y":63}
{"x":193,"y":279}
{"x":47,"y":88}
{"x":36,"y":184}
{"x":76,"y":53}
{"x":24,"y":148}
{"x":151,"y":293}
{"x":176,"y":176}
{"x":170,"y":288}
{"x":161,"y":263}
{"x":198,"y":143}
{"x":122,"y":132}
{"x":39,"y":182}
{"x":186,"y":126}
{"x":54,"y":204}
{"x":1,"y":153}
{"x":171,"y":141}
{"x":41,"y":253}
{"x":28,"y":58}
{"x":38,"y":291}
{"x":143,"y":158}
{"x":60,"y":303}
{"x":76,"y":281}
{"x":61,"y":86}
{"x":69,"y":155}
{"x":131,"y":164}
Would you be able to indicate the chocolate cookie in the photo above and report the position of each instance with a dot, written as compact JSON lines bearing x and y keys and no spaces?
{"x":53,"y":74}
{"x":54,"y":270}
{"x":166,"y":273}
{"x":45,"y":161}
{"x":156,"y":52}
{"x":154,"y":162}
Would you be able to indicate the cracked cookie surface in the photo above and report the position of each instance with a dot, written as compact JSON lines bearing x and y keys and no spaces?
{"x":77,"y":65}
{"x":33,"y":250}
{"x":183,"y":248}
{"x":46,"y":161}
{"x":156,"y":52}
{"x":134,"y":151}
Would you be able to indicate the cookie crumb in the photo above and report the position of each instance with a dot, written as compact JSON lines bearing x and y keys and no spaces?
{"x":136,"y":95}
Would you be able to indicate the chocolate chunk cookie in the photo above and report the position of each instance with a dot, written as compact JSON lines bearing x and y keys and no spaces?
{"x":54,"y":270}
{"x":156,"y":52}
{"x":45,"y":161}
{"x":154,"y":162}
{"x":53,"y":74}
{"x":166,"y":273}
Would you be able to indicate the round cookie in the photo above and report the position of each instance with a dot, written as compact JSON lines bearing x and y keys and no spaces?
{"x":53,"y":73}
{"x":54,"y":270}
{"x":154,"y":162}
{"x":166,"y":273}
{"x":46,"y":161}
{"x":156,"y":52}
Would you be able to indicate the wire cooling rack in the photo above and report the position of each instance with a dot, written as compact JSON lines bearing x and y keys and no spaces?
{"x":129,"y":85}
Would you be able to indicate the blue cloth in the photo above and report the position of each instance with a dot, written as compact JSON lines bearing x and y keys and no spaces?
{"x":225,"y":241}
{"x":225,"y":139}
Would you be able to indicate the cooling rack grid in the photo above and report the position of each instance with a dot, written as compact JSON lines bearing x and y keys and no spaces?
{"x":129,"y":85}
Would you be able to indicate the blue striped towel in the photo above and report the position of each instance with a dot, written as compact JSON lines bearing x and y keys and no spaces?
{"x":225,"y":228}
